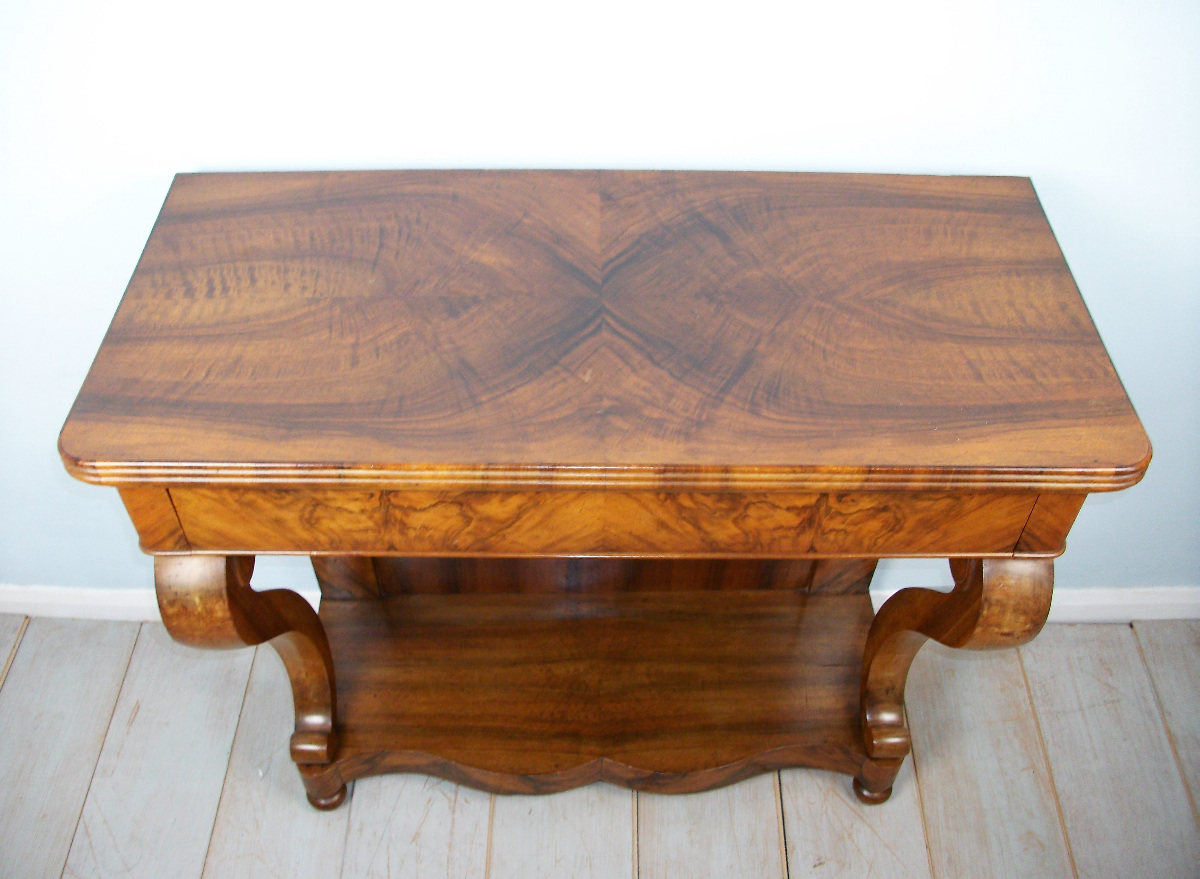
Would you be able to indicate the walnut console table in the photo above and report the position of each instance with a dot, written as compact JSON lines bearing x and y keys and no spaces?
{"x":594,"y":468}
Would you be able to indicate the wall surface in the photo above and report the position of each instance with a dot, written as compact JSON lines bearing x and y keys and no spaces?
{"x":101,"y":103}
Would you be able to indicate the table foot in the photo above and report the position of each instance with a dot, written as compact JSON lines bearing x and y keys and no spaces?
{"x":868,"y":795}
{"x":206,"y":601}
{"x":995,"y":603}
{"x":324,"y":786}
{"x":330,"y":803}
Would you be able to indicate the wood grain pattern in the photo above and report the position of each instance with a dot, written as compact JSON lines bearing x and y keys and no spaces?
{"x":346,"y":576}
{"x":657,"y":691}
{"x":171,"y":701}
{"x":154,"y":517}
{"x":930,"y":523}
{"x":729,"y":833}
{"x":629,"y":329}
{"x":601,"y":522}
{"x":1051,"y":519}
{"x":518,"y":523}
{"x":752,"y":369}
{"x":995,"y":603}
{"x":264,"y":826}
{"x":586,"y":833}
{"x":1171,"y":649}
{"x":55,"y":705}
{"x":989,"y":800}
{"x":832,"y":835}
{"x":842,"y":576}
{"x":1123,"y":802}
{"x":206,"y":601}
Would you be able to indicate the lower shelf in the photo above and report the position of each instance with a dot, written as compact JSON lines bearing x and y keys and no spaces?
{"x":668,"y":692}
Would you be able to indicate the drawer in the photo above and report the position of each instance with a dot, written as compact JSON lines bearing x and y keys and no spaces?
{"x":565,"y":522}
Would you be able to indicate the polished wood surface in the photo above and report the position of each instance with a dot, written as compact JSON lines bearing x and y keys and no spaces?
{"x":206,"y":601}
{"x":154,"y":517}
{"x":995,"y":603}
{"x":658,"y":691}
{"x":637,"y":329}
{"x":351,"y":577}
{"x":1051,"y":519}
{"x":594,"y":468}
{"x":575,"y":522}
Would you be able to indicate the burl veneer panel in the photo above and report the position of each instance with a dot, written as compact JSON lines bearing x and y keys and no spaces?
{"x":602,"y":522}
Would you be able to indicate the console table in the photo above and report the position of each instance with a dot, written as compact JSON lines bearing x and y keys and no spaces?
{"x":594,"y":468}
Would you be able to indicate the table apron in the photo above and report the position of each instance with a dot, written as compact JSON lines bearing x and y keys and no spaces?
{"x":231,"y":519}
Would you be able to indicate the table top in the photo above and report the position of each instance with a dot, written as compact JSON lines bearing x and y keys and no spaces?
{"x":671,"y":330}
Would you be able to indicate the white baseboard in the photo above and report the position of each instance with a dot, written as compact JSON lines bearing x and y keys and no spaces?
{"x":80,"y":602}
{"x":1100,"y":605}
{"x":1112,"y":605}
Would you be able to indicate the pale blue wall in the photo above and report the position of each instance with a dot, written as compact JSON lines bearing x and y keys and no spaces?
{"x":100,"y":103}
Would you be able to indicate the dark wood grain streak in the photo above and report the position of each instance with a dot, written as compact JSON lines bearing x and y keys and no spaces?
{"x":663,"y":330}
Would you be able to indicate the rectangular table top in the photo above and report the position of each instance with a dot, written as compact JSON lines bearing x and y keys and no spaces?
{"x":604,"y":328}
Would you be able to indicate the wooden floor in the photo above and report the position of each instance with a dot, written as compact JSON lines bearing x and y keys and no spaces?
{"x":124,"y":754}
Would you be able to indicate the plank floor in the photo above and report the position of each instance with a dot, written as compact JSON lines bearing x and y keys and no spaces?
{"x":123,"y":754}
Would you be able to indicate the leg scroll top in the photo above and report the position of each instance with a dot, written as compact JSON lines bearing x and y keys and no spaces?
{"x":995,"y":603}
{"x":206,"y":601}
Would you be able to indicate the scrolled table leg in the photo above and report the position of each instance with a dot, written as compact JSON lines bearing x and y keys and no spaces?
{"x":995,"y":603}
{"x":206,"y":601}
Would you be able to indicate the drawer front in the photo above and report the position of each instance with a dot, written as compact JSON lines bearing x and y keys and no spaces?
{"x":599,"y":522}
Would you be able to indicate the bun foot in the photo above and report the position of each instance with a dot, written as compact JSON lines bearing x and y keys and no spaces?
{"x":870,"y":797}
{"x":330,"y":802}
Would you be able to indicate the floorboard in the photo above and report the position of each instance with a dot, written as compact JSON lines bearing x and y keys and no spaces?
{"x":12,"y":626}
{"x":1092,"y":729}
{"x":263,"y":811}
{"x":1123,"y":801}
{"x":55,"y":706}
{"x":150,"y":808}
{"x":831,"y":835}
{"x":1171,"y":649}
{"x":415,"y":826}
{"x":587,"y":832}
{"x":726,"y":833}
{"x":985,"y":783}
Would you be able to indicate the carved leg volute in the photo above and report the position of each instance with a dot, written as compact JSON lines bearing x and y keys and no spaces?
{"x":206,"y":601}
{"x":995,"y":603}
